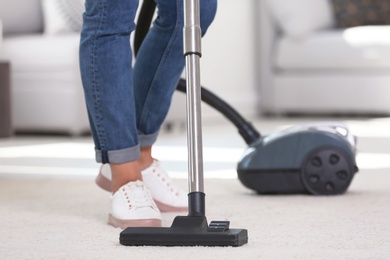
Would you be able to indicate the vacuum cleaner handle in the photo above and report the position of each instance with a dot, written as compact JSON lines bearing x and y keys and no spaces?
{"x":245,"y":128}
{"x":192,"y":54}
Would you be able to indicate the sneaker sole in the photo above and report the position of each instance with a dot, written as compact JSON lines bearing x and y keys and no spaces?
{"x":105,"y":184}
{"x":120,"y":223}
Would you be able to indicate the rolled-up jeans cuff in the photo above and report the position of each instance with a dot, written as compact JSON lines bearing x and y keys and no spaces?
{"x":118,"y":156}
{"x":147,"y":140}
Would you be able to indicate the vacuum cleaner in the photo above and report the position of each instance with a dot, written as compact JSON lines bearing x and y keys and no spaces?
{"x":317,"y":158}
{"x":193,"y":229}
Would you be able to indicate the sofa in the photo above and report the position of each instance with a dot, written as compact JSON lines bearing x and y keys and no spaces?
{"x":319,"y":57}
{"x":42,"y":49}
{"x":40,"y":39}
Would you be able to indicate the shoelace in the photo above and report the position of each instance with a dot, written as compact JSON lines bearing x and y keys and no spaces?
{"x":137,"y":196}
{"x":165,"y":179}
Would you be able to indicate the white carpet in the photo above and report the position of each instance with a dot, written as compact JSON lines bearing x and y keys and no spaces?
{"x":50,"y":207}
{"x":56,"y":218}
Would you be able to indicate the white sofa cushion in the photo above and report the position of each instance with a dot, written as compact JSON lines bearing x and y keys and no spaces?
{"x":62,"y":16}
{"x":54,"y":22}
{"x":21,"y":16}
{"x":298,"y":18}
{"x":365,"y":47}
{"x":38,"y":53}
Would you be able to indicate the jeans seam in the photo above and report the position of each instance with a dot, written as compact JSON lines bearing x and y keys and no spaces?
{"x":167,"y":50}
{"x":95,"y":85}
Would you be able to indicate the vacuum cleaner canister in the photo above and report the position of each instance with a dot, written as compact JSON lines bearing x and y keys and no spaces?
{"x":318,"y":159}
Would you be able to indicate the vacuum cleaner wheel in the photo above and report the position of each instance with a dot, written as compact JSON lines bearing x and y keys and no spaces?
{"x":327,"y":171}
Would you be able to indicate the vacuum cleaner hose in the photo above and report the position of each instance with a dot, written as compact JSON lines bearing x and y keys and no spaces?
{"x":144,"y":21}
{"x":245,"y":128}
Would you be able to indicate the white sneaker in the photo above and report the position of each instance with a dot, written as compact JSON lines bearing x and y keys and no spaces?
{"x":132,"y":206}
{"x":167,"y":197}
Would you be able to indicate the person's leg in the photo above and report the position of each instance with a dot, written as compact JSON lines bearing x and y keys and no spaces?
{"x":106,"y":70}
{"x":160,"y":63}
{"x":158,"y":67}
{"x":157,"y":70}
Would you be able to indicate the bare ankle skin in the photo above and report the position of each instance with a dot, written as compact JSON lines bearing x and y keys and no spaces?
{"x":146,"y":158}
{"x":123,"y":173}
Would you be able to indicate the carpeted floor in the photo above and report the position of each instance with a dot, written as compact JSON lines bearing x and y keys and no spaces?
{"x":55,"y":218}
{"x":50,"y":207}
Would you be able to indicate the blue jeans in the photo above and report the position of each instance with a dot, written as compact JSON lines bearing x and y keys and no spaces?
{"x":127,"y":105}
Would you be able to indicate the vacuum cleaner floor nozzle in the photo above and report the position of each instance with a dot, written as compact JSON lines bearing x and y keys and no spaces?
{"x":185,"y":231}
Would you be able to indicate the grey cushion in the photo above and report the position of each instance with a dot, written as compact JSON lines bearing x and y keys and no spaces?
{"x":21,"y":16}
{"x":350,"y":13}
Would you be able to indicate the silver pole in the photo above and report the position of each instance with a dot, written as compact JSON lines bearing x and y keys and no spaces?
{"x":192,"y":52}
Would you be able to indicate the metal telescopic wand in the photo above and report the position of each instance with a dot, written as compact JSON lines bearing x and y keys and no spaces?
{"x":192,"y":53}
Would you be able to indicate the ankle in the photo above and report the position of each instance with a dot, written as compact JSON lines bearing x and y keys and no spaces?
{"x":124,"y":173}
{"x":146,"y":158}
